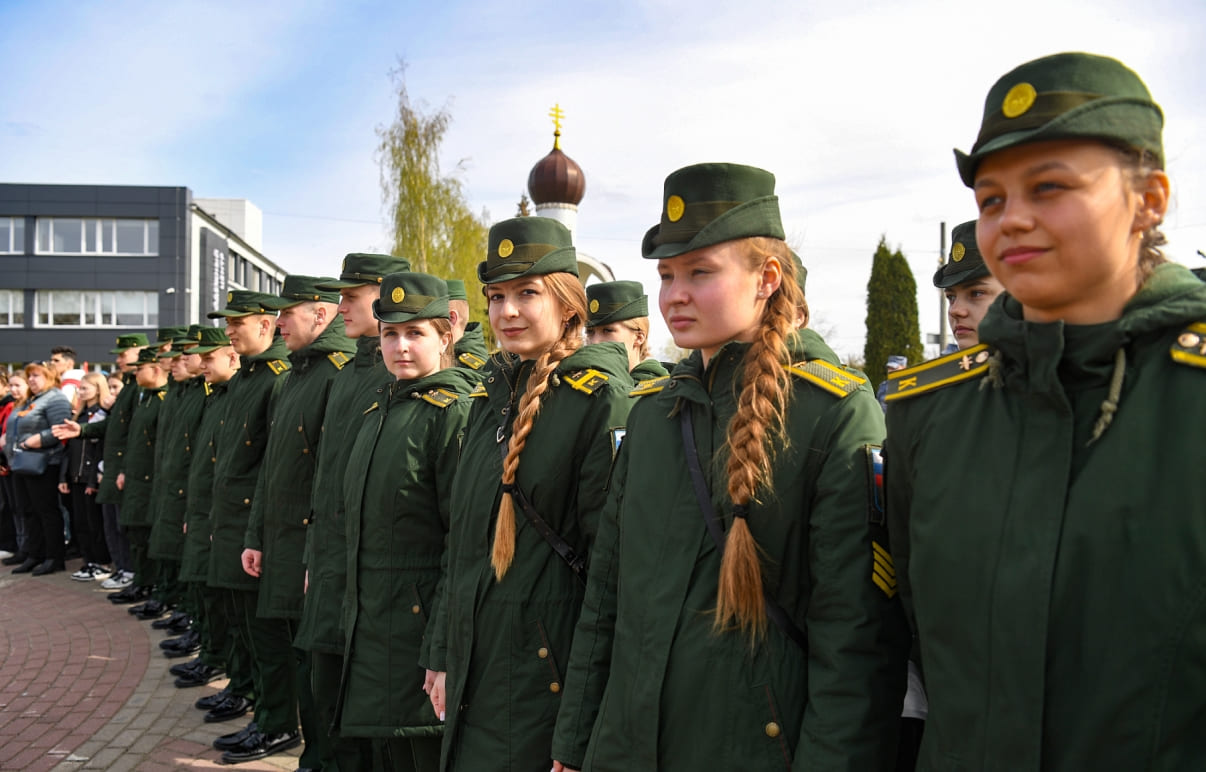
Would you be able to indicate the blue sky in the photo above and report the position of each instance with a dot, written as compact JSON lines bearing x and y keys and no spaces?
{"x":854,"y":106}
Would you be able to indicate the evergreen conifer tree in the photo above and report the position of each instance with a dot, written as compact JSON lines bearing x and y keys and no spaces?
{"x":892,"y":326}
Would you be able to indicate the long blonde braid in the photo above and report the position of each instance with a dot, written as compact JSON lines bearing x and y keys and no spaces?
{"x":568,"y":291}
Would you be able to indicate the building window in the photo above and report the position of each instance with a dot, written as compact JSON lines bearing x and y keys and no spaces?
{"x":91,"y":236}
{"x":92,"y":308}
{"x":12,"y":235}
{"x":12,"y":308}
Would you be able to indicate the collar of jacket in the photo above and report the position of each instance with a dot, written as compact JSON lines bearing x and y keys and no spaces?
{"x":368,"y":351}
{"x":1053,"y":356}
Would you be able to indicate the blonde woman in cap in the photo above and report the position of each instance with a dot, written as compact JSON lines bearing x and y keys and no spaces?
{"x":397,"y":491}
{"x":542,"y":436}
{"x":740,"y":610}
{"x":619,"y":312}
{"x":1057,"y":591}
{"x":969,"y":288}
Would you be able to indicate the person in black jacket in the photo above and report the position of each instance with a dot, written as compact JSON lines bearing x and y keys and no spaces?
{"x":78,"y":479}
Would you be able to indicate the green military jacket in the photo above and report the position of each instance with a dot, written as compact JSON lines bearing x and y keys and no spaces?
{"x":504,"y":643}
{"x":242,"y":436}
{"x":280,"y":508}
{"x":397,"y":492}
{"x":470,"y":351}
{"x":647,"y":370}
{"x":650,"y":684}
{"x":1057,"y":583}
{"x":352,"y":391}
{"x":203,"y":460}
{"x":138,"y":459}
{"x":114,"y":429}
{"x":180,"y":416}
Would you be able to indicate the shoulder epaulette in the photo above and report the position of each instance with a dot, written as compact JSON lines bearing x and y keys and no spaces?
{"x":339,"y":359}
{"x":278,"y":366}
{"x":651,"y":386}
{"x":1190,"y":348}
{"x":831,"y":378}
{"x":938,"y":373}
{"x":471,"y":360}
{"x":480,"y":391}
{"x":372,"y":407}
{"x":440,"y":397}
{"x":588,"y":381}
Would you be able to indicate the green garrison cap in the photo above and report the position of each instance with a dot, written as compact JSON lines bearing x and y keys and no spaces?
{"x":615,"y":301}
{"x":243,"y":303}
{"x":148,"y":356}
{"x":527,"y":246}
{"x":801,"y":271}
{"x":964,"y":262}
{"x":169,"y":334}
{"x":302,"y":289}
{"x":708,"y":204}
{"x":209,"y":339}
{"x":456,"y":289}
{"x":360,"y":268}
{"x":1066,"y":96}
{"x":124,"y":342}
{"x":408,"y":295}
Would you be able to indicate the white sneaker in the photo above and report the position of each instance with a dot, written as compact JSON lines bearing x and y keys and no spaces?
{"x":5,"y":554}
{"x":115,"y":581}
{"x":84,"y":574}
{"x":127,"y":578}
{"x":100,"y":572}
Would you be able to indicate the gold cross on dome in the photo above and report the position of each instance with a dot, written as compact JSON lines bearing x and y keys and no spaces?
{"x":557,"y":114}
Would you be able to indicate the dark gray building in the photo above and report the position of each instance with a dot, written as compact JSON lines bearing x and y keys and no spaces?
{"x":82,"y":264}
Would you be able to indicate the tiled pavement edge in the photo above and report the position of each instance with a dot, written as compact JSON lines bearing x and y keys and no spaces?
{"x":83,"y":686}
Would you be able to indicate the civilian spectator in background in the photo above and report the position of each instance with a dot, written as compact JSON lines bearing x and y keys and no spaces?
{"x":18,"y":394}
{"x":8,"y":530}
{"x":115,"y":387}
{"x":895,"y":362}
{"x":62,"y":361}
{"x":78,"y":480}
{"x":37,"y":485}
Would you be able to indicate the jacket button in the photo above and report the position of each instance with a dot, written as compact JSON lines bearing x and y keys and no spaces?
{"x":247,"y":442}
{"x":146,"y":477}
{"x":542,"y":652}
{"x":305,"y":521}
{"x":246,"y":501}
{"x":187,"y":448}
{"x":305,"y":451}
{"x":181,"y":491}
{"x":414,"y":609}
{"x":554,"y":687}
{"x":772,"y":729}
{"x":299,"y":429}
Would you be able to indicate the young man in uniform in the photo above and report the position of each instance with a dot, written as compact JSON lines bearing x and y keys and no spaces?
{"x":469,"y":344}
{"x":352,"y":392}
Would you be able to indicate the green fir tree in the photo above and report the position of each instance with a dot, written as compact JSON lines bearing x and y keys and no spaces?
{"x":892,"y":326}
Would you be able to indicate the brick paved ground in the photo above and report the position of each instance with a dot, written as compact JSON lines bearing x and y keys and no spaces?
{"x":83,"y":686}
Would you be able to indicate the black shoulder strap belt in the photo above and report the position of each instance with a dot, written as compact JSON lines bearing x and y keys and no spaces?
{"x":775,"y":611}
{"x":576,"y":562}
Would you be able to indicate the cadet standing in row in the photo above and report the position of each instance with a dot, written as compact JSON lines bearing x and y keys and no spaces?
{"x":740,"y":611}
{"x":352,"y":390}
{"x":619,"y":312}
{"x":241,"y":440}
{"x":969,"y":288}
{"x":541,"y":440}
{"x":274,"y":545}
{"x":1057,"y":590}
{"x":470,"y":344}
{"x":181,"y":413}
{"x":397,"y":492}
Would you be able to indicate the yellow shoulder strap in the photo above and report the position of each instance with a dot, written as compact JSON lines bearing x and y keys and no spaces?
{"x":1190,"y":347}
{"x":838,"y":381}
{"x":588,"y":381}
{"x":651,"y":386}
{"x":939,"y":373}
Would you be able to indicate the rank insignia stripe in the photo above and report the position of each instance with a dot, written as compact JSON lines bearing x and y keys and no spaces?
{"x":651,"y":386}
{"x":831,"y":378}
{"x":1190,"y":346}
{"x":480,"y":391}
{"x":883,"y":572}
{"x":339,"y":359}
{"x":372,"y":407}
{"x":440,"y":397}
{"x":586,"y":381}
{"x":277,"y":366}
{"x":471,"y":360}
{"x":937,"y":373}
